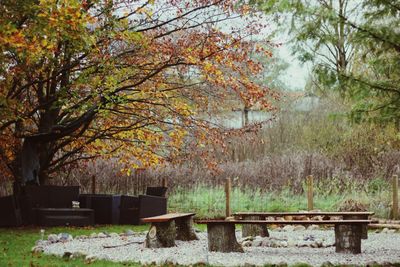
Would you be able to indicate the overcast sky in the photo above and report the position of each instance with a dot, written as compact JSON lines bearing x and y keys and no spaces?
{"x":297,"y":73}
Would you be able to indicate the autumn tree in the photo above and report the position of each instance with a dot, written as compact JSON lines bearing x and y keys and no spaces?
{"x":124,"y":79}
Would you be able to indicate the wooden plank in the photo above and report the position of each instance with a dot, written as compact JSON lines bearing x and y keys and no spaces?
{"x":379,"y":226}
{"x":166,"y":217}
{"x":284,"y":222}
{"x":316,"y":213}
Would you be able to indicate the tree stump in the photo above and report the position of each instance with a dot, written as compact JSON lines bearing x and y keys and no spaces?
{"x":254,"y":229}
{"x":348,"y":238}
{"x":184,"y":229}
{"x":222,"y":238}
{"x":364,"y":227}
{"x":161,"y":235}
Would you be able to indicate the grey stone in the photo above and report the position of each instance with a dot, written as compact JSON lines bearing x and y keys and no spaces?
{"x":384,"y":230}
{"x":257,"y":243}
{"x":308,"y":238}
{"x":299,"y":228}
{"x":64,"y":237}
{"x":313,"y":227}
{"x":266,"y":243}
{"x":302,"y":244}
{"x":327,"y":244}
{"x":288,"y":228}
{"x":102,"y":235}
{"x":37,"y":249}
{"x":247,"y":243}
{"x":93,"y":235}
{"x":42,"y":242}
{"x":90,"y":258}
{"x":114,"y":235}
{"x":274,"y":244}
{"x":248,"y":238}
{"x":284,"y":244}
{"x":52,"y":238}
{"x":129,"y":232}
{"x":291,"y":243}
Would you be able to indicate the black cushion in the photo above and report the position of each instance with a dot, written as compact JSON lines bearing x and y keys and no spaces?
{"x":158,"y":191}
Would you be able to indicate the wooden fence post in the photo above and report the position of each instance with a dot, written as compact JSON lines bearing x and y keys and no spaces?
{"x":228,"y":197}
{"x":164,"y":182}
{"x":310,"y":194}
{"x":94,"y":184}
{"x":395,"y":206}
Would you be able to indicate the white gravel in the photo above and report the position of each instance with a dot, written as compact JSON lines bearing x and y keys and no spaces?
{"x":380,"y":248}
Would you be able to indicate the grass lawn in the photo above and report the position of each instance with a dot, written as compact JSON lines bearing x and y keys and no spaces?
{"x":16,"y":245}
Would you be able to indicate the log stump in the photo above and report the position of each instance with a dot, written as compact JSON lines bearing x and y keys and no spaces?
{"x":254,"y":229}
{"x":222,"y":238}
{"x":348,"y":238}
{"x":184,"y":229}
{"x":364,"y":227}
{"x":161,"y":235}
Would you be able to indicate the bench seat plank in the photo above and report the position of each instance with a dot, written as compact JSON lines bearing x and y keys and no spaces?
{"x":166,"y":217}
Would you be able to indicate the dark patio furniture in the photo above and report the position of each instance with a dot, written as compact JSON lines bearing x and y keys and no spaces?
{"x":106,"y":207}
{"x":9,"y":213}
{"x":134,"y":208}
{"x":158,"y":191}
{"x":42,"y":205}
{"x":65,"y":217}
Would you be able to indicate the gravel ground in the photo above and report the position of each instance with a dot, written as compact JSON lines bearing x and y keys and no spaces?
{"x":380,"y":248}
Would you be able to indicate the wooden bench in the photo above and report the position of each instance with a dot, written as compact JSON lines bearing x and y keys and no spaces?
{"x":167,"y":228}
{"x":261,"y":230}
{"x":222,"y":238}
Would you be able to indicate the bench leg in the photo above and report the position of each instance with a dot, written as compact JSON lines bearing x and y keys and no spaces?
{"x":348,"y":238}
{"x":161,"y":235}
{"x":222,"y":238}
{"x":364,"y":231}
{"x":184,"y":229}
{"x":254,"y":229}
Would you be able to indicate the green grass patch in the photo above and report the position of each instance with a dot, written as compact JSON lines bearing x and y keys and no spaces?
{"x":16,"y":245}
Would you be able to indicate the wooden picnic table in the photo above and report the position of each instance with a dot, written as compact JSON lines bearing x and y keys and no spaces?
{"x":222,"y":238}
{"x":257,"y":229}
{"x":305,"y":213}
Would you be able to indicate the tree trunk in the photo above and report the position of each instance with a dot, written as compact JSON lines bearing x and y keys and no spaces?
{"x":254,"y":229}
{"x":222,"y":238}
{"x":30,"y":165}
{"x":161,"y":235}
{"x":245,"y":116}
{"x":348,"y":238}
{"x":184,"y":229}
{"x":364,"y":228}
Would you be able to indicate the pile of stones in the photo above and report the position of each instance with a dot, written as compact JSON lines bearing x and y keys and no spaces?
{"x":302,"y":241}
{"x":66,"y":237}
{"x":293,"y":238}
